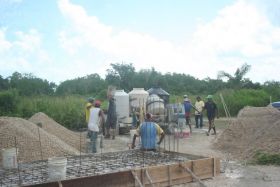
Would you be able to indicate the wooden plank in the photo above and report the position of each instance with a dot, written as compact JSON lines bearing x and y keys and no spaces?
{"x":169,"y":176}
{"x":203,"y":168}
{"x":136,"y":178}
{"x":218,"y":166}
{"x":214,"y":167}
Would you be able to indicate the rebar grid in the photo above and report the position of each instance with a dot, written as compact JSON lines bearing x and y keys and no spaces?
{"x":89,"y":165}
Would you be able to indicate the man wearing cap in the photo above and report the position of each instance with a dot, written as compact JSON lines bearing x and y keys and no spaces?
{"x":187,"y":106}
{"x":148,"y":132}
{"x":96,"y":119}
{"x":212,"y":112}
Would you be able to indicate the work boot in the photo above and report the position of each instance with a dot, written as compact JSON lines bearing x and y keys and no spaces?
{"x":113,"y":133}
{"x":107,"y":136}
{"x":214,"y":131}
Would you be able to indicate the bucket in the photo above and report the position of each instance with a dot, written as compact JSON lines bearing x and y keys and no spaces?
{"x":57,"y":168}
{"x":9,"y":158}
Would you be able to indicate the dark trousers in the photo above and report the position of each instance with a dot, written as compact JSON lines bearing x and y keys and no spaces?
{"x":200,"y":119}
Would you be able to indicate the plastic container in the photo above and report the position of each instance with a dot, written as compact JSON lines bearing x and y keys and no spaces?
{"x":57,"y":168}
{"x":9,"y":158}
{"x":122,"y":103}
{"x":138,"y":97}
{"x":155,"y":105}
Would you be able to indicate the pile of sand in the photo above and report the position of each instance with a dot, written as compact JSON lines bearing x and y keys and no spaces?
{"x":27,"y":138}
{"x":254,"y":129}
{"x":74,"y":139}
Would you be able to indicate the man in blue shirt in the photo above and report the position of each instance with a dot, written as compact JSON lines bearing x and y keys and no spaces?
{"x":187,"y":107}
{"x":148,"y":132}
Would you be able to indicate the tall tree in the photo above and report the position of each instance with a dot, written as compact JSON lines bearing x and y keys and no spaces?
{"x":4,"y":83}
{"x":121,"y":75}
{"x":235,"y":81}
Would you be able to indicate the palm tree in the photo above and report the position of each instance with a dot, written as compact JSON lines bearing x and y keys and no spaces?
{"x":238,"y":78}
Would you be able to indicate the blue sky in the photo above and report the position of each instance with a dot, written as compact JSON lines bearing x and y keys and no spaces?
{"x":65,"y":39}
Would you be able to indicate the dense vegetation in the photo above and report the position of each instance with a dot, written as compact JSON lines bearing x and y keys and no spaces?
{"x":23,"y":95}
{"x":263,"y":158}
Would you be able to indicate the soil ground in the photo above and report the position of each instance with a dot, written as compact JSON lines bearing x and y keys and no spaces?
{"x":234,"y":172}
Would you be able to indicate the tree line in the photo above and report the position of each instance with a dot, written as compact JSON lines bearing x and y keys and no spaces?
{"x":124,"y":76}
{"x":25,"y":94}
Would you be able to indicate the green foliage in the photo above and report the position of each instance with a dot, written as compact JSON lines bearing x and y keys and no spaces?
{"x":91,"y":84}
{"x":273,"y":89}
{"x":237,"y":81}
{"x":4,"y":83}
{"x":237,"y":99}
{"x":121,"y":75}
{"x":267,"y":158}
{"x":8,"y":102}
{"x":66,"y":110}
{"x":29,"y":85}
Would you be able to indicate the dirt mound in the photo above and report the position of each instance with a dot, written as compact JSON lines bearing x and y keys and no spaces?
{"x":254,"y":129}
{"x":27,"y":134}
{"x":73,"y":139}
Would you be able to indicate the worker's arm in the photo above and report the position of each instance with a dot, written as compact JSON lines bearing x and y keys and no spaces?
{"x":101,"y":114}
{"x":161,"y":138}
{"x":195,"y":109}
{"x":159,"y":132}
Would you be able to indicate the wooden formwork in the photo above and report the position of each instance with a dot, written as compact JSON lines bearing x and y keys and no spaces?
{"x":160,"y":176}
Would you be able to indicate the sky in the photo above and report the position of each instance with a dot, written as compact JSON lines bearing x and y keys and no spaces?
{"x":60,"y":40}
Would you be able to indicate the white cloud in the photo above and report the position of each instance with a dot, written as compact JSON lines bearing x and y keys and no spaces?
{"x":239,"y":32}
{"x":24,"y":54}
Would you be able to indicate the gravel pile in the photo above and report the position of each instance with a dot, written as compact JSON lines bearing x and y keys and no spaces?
{"x":254,"y":129}
{"x":27,"y":136}
{"x":74,"y":139}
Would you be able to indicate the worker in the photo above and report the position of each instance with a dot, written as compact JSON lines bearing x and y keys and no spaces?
{"x":111,"y":121}
{"x":212,"y":112}
{"x":89,"y":104}
{"x":199,"y":104}
{"x":148,"y":132}
{"x":187,"y":106}
{"x":135,"y":119}
{"x":96,"y":120}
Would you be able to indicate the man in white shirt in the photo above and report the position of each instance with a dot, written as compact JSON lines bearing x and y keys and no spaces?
{"x":199,"y":105}
{"x":96,"y":119}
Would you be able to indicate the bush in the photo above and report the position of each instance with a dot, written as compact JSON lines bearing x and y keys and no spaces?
{"x":267,"y":159}
{"x":8,"y":102}
{"x":237,"y":99}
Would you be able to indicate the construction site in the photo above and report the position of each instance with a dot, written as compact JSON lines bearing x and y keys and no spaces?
{"x":41,"y":152}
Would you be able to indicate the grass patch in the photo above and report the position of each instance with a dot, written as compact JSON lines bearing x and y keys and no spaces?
{"x":267,"y":158}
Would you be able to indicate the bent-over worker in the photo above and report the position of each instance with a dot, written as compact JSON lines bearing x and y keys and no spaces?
{"x":148,"y":132}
